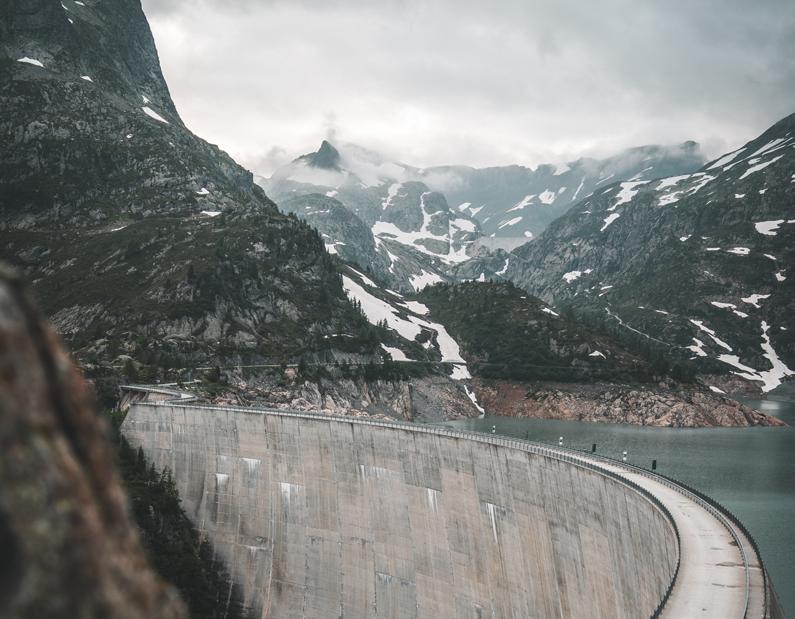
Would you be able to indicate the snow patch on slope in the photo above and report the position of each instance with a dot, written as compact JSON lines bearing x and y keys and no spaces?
{"x":395,"y":353}
{"x":33,"y":61}
{"x":771,"y":378}
{"x":759,"y":166}
{"x":152,"y":114}
{"x":424,"y":279}
{"x":768,"y":228}
{"x":609,"y":220}
{"x":628,"y":191}
{"x":547,"y":196}
{"x":409,"y":327}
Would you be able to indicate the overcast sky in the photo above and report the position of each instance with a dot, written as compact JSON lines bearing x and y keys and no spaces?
{"x":478,"y":82}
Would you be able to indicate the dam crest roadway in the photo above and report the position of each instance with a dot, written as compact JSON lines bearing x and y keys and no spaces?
{"x":318,"y":516}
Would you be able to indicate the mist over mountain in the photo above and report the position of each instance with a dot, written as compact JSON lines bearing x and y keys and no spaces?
{"x":426,"y":224}
{"x":518,"y":202}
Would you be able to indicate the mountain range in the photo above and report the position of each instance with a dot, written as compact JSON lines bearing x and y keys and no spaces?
{"x":698,"y":264}
{"x":635,"y":289}
{"x":686,"y":257}
{"x":152,"y":249}
{"x":414,"y":227}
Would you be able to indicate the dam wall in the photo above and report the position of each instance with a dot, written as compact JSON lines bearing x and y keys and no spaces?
{"x":334,"y":517}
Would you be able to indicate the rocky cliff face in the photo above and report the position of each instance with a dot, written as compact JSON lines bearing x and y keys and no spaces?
{"x":344,"y":233}
{"x":427,"y":398}
{"x":698,"y":265}
{"x":68,"y":544}
{"x":141,"y":239}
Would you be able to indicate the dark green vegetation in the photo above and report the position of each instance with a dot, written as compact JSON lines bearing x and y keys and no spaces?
{"x":147,"y":246}
{"x":175,"y":549}
{"x":167,"y":290}
{"x":387,"y":371}
{"x":504,"y":333}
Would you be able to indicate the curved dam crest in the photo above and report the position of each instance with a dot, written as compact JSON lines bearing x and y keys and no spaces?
{"x":330,"y":517}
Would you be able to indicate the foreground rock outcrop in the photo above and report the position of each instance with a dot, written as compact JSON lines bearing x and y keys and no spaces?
{"x":68,"y":547}
{"x":664,"y":405}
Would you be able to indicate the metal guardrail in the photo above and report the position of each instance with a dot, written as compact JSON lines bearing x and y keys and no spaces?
{"x":733,"y":521}
{"x":725,"y":516}
{"x":555,"y":453}
{"x":711,"y":506}
{"x":178,"y":396}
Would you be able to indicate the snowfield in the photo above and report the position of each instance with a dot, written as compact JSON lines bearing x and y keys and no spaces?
{"x":768,"y":228}
{"x":771,"y":378}
{"x":628,"y":191}
{"x":424,"y":279}
{"x":377,"y":311}
{"x":407,"y":322}
{"x":609,"y":220}
{"x":415,"y":239}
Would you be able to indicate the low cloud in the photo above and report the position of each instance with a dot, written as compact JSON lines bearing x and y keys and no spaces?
{"x":471,"y":82}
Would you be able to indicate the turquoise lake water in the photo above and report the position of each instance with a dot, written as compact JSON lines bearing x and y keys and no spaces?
{"x":751,"y":471}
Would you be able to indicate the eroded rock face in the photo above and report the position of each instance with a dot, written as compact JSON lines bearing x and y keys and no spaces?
{"x":430,"y":398}
{"x":662,"y":405}
{"x":69,"y":547}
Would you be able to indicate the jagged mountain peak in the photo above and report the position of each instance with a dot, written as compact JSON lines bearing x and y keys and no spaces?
{"x":327,"y":157}
{"x":335,"y":165}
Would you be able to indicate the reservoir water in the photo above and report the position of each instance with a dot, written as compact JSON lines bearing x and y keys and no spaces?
{"x":751,"y":471}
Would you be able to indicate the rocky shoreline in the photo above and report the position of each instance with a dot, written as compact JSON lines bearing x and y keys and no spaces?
{"x":437,"y":398}
{"x":664,"y":405}
{"x":426,"y":399}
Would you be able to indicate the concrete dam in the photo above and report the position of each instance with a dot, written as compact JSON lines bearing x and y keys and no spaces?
{"x":324,"y":517}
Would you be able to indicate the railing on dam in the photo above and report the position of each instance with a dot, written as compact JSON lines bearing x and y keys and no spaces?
{"x":720,"y":513}
{"x":737,"y":530}
{"x":176,"y":394}
{"x":771,"y":605}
